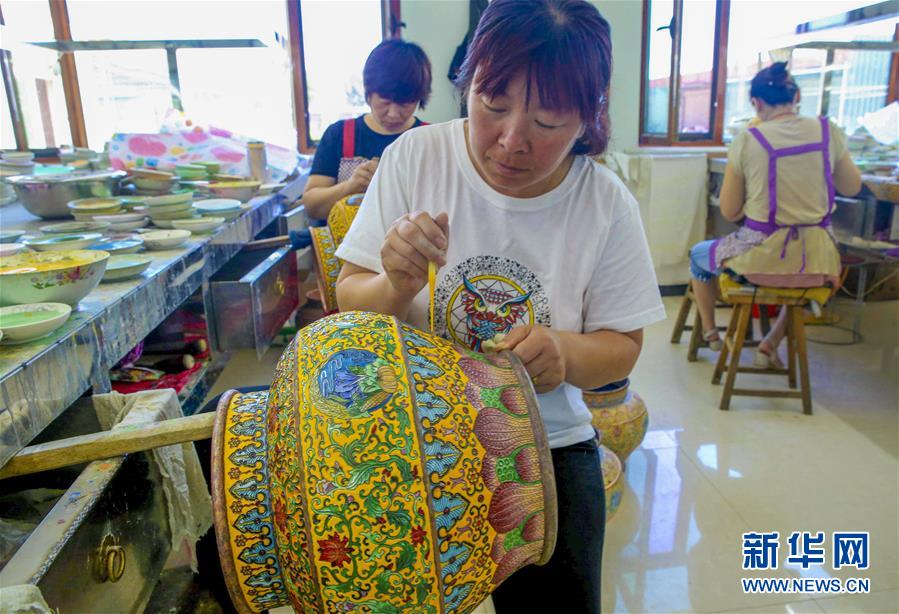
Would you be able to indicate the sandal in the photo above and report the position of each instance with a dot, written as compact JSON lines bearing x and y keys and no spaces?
{"x":713,"y":339}
{"x":766,"y":359}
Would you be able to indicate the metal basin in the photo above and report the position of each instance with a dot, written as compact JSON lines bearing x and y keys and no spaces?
{"x":46,"y":195}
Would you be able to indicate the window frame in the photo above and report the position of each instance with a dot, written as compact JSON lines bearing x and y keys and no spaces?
{"x":391,"y":27}
{"x":718,"y":86}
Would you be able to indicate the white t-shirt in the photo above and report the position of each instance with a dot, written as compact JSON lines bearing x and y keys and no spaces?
{"x":573,"y":259}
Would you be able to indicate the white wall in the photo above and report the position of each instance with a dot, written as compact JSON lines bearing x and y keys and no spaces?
{"x":439,"y":26}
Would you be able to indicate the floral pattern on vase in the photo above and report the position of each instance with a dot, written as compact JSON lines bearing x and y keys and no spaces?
{"x":612,"y":475}
{"x":620,"y":415}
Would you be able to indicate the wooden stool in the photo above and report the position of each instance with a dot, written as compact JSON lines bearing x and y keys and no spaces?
{"x":793,"y":300}
{"x":680,"y":325}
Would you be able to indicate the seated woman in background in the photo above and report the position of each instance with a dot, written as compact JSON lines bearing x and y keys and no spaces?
{"x":397,"y":80}
{"x":779,"y":182}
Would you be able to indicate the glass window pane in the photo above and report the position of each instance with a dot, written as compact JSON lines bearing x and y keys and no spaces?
{"x":756,"y":32}
{"x":246,"y":91}
{"x":334,"y":63}
{"x":7,"y":136}
{"x":658,"y":77}
{"x":145,"y":20}
{"x":28,"y":21}
{"x":696,"y":62}
{"x":37,"y":75}
{"x":122,"y":91}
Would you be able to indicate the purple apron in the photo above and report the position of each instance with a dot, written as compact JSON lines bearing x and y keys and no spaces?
{"x":771,"y":226}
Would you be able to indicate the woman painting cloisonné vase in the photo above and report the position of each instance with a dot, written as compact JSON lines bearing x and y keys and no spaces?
{"x":620,"y":415}
{"x":385,"y":470}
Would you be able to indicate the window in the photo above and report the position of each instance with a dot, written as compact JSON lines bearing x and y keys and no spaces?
{"x":238,"y":65}
{"x":707,"y":99}
{"x":680,"y":71}
{"x":333,"y":64}
{"x":243,"y":89}
{"x":844,"y":84}
{"x":40,"y":100}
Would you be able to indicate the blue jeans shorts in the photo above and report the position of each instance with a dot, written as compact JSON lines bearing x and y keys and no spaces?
{"x":700,"y":267}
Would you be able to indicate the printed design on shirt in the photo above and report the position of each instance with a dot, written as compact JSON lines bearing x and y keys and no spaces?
{"x":486,"y":295}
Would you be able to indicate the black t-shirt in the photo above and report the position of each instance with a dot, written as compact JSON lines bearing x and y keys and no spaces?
{"x":368,"y":144}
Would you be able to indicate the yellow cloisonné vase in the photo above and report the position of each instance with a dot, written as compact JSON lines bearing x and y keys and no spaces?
{"x":611,"y":477}
{"x":386,"y":470}
{"x":620,"y":415}
{"x":326,"y":240}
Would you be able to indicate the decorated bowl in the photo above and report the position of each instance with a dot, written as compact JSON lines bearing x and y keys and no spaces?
{"x":126,"y":266}
{"x":165,"y":239}
{"x":199,"y":224}
{"x":24,"y":323}
{"x":120,"y":246}
{"x":55,"y":243}
{"x":241,"y":190}
{"x":66,"y":228}
{"x":179,"y":196}
{"x":50,"y":277}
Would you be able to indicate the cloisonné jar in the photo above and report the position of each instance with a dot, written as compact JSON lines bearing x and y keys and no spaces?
{"x":325,"y":241}
{"x":612,"y":475}
{"x":620,"y":415}
{"x":385,"y":470}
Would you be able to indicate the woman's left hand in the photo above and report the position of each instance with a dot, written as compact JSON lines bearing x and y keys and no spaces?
{"x":540,"y":349}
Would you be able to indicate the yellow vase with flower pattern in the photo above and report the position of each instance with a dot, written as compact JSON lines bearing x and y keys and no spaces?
{"x":385,"y":470}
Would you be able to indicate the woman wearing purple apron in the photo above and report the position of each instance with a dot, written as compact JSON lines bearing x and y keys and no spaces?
{"x":780,"y":182}
{"x":397,"y":80}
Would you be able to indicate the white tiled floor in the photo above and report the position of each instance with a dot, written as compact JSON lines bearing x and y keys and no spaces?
{"x":703,"y":476}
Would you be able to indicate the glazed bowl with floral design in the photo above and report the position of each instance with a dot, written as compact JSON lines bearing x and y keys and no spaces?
{"x":50,"y":277}
{"x":24,"y":323}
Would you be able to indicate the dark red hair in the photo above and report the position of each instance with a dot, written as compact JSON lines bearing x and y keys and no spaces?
{"x":565,"y":46}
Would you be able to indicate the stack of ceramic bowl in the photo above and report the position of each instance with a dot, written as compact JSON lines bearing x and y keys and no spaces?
{"x":150,"y":182}
{"x":228,"y":208}
{"x":13,"y":163}
{"x":67,"y":228}
{"x":124,"y":222}
{"x":191,"y":172}
{"x":164,"y":209}
{"x":84,"y":209}
{"x":241,"y":190}
{"x":199,"y":225}
{"x":212,"y":168}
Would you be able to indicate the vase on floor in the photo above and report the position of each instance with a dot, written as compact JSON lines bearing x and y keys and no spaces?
{"x":612,"y":477}
{"x":385,"y":470}
{"x":620,"y":415}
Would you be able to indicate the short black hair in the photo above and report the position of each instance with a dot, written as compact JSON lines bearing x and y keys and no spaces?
{"x":774,"y":85}
{"x":398,"y":71}
{"x":566,"y":45}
